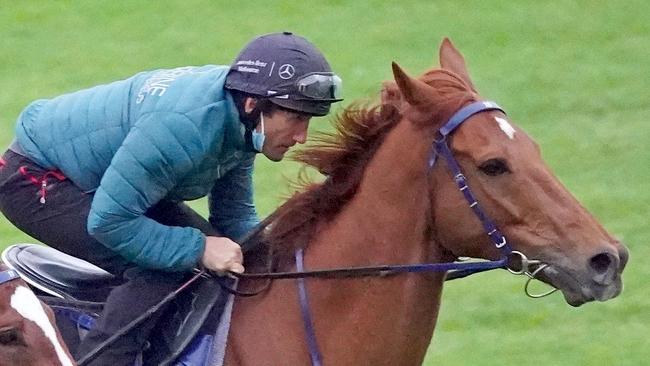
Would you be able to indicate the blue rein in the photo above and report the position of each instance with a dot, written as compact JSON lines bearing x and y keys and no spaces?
{"x":440,"y":148}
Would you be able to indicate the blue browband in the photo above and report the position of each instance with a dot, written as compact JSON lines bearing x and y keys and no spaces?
{"x":458,"y":118}
{"x":464,"y":113}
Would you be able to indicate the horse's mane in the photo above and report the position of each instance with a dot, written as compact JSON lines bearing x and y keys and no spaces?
{"x":342,"y":157}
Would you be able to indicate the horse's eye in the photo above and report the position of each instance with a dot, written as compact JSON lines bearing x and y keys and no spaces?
{"x":494,"y":167}
{"x":11,"y":337}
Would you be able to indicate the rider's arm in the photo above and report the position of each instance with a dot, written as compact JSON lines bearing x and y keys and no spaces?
{"x":159,"y":150}
{"x":232,"y":211}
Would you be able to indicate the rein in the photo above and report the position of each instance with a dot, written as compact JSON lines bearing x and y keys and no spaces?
{"x":456,"y":269}
{"x":440,"y":148}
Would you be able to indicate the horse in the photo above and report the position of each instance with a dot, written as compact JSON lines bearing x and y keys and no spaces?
{"x":28,"y":333}
{"x":382,"y":202}
{"x":396,"y":190}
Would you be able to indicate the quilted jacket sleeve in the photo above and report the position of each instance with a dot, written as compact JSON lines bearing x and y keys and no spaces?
{"x":232,"y":211}
{"x":158,"y":151}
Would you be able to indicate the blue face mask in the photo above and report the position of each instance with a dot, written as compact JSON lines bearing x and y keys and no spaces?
{"x":258,"y":137}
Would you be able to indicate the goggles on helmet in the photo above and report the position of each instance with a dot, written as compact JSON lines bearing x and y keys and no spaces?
{"x":317,"y":86}
{"x":320,"y":86}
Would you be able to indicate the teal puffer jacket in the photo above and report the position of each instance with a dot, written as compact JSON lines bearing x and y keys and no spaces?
{"x":165,"y":134}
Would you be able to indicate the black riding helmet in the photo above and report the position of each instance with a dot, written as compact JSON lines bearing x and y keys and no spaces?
{"x":289,"y":71}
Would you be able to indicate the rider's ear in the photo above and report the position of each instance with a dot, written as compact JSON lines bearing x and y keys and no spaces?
{"x":249,"y":104}
{"x":452,"y":60}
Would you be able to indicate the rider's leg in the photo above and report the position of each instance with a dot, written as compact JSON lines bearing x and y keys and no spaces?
{"x":143,"y":289}
{"x":60,"y":222}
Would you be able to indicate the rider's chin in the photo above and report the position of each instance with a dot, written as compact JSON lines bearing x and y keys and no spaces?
{"x":272,"y":154}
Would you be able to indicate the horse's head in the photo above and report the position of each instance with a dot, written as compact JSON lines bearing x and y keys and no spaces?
{"x":505,"y":170}
{"x":27,"y":332}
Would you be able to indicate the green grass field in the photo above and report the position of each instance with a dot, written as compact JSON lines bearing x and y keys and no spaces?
{"x":574,"y":74}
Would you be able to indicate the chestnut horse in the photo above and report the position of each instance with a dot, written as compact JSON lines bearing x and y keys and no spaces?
{"x":387,"y":201}
{"x":28,"y":334}
{"x":382,"y":204}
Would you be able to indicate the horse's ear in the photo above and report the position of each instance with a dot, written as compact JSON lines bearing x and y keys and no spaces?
{"x":451,"y":59}
{"x":414,"y":91}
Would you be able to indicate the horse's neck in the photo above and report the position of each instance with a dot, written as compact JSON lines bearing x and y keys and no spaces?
{"x":375,"y":321}
{"x":389,"y":215}
{"x":387,"y":221}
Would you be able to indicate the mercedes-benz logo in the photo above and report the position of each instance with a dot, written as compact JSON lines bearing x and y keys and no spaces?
{"x":286,"y":71}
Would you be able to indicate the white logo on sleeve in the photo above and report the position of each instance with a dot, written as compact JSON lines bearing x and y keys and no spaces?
{"x":157,"y":84}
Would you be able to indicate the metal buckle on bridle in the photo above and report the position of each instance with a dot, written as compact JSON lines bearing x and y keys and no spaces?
{"x":526,"y":267}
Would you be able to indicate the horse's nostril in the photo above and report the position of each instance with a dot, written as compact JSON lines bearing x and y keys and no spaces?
{"x":601,"y":263}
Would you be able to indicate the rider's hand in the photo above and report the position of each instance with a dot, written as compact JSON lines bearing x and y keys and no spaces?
{"x":222,"y":254}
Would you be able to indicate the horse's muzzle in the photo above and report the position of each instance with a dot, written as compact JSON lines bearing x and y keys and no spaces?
{"x":600,"y":281}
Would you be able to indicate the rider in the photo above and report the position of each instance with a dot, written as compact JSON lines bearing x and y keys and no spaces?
{"x":102,"y":173}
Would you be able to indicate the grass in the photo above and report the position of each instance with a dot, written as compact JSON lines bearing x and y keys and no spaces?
{"x":574,"y":74}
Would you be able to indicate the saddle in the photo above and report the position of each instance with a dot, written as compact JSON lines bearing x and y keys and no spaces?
{"x":76,"y":291}
{"x":53,"y":273}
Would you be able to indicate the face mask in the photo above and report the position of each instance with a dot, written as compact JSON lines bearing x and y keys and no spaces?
{"x":258,"y":137}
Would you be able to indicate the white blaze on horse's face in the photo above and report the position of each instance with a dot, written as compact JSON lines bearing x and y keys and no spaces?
{"x":29,"y":307}
{"x":506,"y":127}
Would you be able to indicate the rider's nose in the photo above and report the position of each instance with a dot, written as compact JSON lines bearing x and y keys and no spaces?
{"x":300,"y":138}
{"x":604,"y":267}
{"x":301,"y":135}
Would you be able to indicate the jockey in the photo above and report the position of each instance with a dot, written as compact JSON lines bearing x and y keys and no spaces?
{"x":102,"y":173}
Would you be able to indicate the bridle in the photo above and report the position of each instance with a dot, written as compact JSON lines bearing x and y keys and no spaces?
{"x":440,"y":149}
